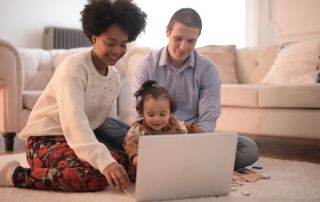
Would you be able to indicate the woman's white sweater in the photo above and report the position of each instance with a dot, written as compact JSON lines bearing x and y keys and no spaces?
{"x":76,"y":101}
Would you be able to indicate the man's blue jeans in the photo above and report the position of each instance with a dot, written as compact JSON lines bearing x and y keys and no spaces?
{"x":113,"y":131}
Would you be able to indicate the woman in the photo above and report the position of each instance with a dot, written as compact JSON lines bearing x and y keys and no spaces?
{"x":62,"y":150}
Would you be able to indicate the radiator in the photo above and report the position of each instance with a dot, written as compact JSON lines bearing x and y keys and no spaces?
{"x":64,"y":38}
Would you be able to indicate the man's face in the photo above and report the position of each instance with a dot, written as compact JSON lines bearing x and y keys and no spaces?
{"x":182,"y":40}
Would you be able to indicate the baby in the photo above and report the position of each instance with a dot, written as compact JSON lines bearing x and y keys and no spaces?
{"x":156,"y":107}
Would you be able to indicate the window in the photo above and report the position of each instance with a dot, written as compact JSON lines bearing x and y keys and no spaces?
{"x":223,"y":22}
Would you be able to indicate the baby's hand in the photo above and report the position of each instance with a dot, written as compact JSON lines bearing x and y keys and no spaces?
{"x":135,"y":161}
{"x":134,"y":131}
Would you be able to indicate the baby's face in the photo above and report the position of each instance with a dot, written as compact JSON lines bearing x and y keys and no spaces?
{"x":156,"y":113}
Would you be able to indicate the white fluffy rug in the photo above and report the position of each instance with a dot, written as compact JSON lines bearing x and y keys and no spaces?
{"x":290,"y":181}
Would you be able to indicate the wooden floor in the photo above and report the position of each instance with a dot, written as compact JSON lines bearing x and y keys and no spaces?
{"x":275,"y":147}
{"x":289,"y":148}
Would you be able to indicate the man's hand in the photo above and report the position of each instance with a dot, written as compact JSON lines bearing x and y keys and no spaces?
{"x":117,"y":177}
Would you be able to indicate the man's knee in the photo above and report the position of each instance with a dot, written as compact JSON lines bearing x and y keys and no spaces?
{"x":247,"y":152}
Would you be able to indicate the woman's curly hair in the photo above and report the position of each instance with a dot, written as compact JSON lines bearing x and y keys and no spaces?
{"x":150,"y":89}
{"x":98,"y":15}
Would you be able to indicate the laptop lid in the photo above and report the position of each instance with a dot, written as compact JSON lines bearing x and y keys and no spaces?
{"x":185,"y":166}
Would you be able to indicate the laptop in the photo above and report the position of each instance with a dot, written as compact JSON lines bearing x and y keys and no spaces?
{"x":185,"y":166}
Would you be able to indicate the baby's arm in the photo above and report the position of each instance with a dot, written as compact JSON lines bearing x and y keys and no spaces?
{"x":131,"y":142}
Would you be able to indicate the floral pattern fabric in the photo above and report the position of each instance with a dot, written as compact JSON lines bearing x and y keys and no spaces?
{"x":55,"y":166}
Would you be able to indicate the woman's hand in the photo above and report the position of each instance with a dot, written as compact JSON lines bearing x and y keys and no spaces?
{"x":117,"y":177}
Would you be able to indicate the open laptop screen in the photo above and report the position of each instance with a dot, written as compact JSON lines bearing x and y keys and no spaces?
{"x":184,"y":166}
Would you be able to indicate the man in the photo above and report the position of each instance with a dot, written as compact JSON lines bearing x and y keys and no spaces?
{"x":191,"y":78}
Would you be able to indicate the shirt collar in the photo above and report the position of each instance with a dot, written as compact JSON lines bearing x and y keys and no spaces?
{"x":165,"y":60}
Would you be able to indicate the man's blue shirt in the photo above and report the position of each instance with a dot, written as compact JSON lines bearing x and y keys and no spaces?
{"x":195,"y":86}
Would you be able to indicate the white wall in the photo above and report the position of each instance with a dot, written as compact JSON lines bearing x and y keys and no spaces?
{"x":268,"y":21}
{"x":288,"y":20}
{"x":22,"y":22}
{"x":218,"y":26}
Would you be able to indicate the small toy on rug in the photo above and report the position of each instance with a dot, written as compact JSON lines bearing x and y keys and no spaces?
{"x":245,"y":193}
{"x":246,"y":175}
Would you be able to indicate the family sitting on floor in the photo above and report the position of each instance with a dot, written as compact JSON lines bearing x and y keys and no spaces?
{"x":72,"y":144}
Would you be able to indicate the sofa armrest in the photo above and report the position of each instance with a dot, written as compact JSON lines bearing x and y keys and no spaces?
{"x":11,"y":84}
{"x":2,"y":106}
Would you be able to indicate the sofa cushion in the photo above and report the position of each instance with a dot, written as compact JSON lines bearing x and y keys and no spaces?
{"x":39,"y":65}
{"x":224,"y":56}
{"x":253,"y":63}
{"x":29,"y":98}
{"x":132,"y":58}
{"x":241,"y":95}
{"x":290,"y":96}
{"x":296,"y":63}
{"x":58,"y":55}
{"x":37,"y":68}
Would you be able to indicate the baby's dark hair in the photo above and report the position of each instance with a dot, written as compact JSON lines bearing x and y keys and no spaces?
{"x":149,"y":89}
{"x":98,"y":15}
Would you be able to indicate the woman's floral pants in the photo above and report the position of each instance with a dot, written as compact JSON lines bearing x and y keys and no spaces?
{"x":55,"y":166}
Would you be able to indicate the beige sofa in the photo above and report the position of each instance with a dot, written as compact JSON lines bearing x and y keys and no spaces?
{"x":247,"y":106}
